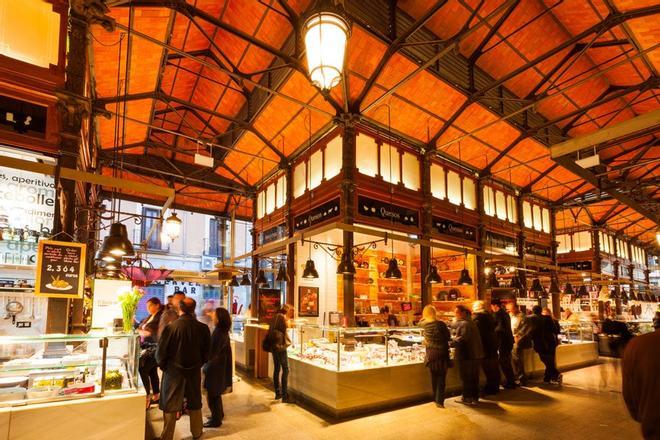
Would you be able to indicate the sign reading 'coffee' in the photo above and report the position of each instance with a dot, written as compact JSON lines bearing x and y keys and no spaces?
{"x":317,"y":215}
{"x":454,"y":229}
{"x":385,"y":211}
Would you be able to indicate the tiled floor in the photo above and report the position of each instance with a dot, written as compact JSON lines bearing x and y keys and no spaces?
{"x":588,"y":406}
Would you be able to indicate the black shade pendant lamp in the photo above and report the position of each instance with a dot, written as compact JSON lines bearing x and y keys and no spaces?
{"x":104,"y":256}
{"x":261,"y":278}
{"x":515,"y":282}
{"x":245,"y":281}
{"x":537,"y":287}
{"x":346,"y":265}
{"x":464,"y":279}
{"x":568,"y":289}
{"x":234,"y":281}
{"x":492,"y":279}
{"x":583,"y":292}
{"x":554,"y":285}
{"x":433,"y":277}
{"x":282,"y":276}
{"x":310,"y":271}
{"x":117,"y":242}
{"x":393,"y":272}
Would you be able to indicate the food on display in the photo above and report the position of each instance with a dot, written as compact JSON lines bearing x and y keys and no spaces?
{"x":113,"y":380}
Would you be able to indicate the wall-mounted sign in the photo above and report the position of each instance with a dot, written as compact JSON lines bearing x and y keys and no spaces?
{"x":317,"y":215}
{"x":273,"y":234}
{"x":308,"y":301}
{"x":269,"y":304}
{"x":385,"y":211}
{"x":22,"y":116}
{"x":538,"y":250}
{"x":577,"y":265}
{"x":606,"y":267}
{"x":493,"y":240}
{"x":454,"y":229}
{"x":60,"y":269}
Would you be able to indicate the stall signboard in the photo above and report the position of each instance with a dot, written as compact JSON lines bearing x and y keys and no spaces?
{"x":308,"y":301}
{"x":60,"y":269}
{"x":388,"y":212}
{"x":269,"y":304}
{"x":538,"y":250}
{"x":317,"y":215}
{"x":577,"y":265}
{"x":498,"y":241}
{"x":273,"y":234}
{"x":454,"y":229}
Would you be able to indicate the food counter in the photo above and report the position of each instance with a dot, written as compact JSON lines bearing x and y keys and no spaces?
{"x":346,"y":371}
{"x":73,"y":386}
{"x":246,"y":339}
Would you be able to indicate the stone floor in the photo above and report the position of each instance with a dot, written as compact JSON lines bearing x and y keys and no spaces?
{"x":588,"y":406}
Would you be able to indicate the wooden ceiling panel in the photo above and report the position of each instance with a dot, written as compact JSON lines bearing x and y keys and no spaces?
{"x":232,"y":46}
{"x":446,"y":22}
{"x":405,"y":118}
{"x":135,"y":132}
{"x":499,"y":135}
{"x":433,"y":95}
{"x":647,"y":33}
{"x":364,"y":52}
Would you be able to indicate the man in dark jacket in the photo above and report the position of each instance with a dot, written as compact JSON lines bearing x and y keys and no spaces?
{"x":544,"y":337}
{"x":182,"y":350}
{"x":504,"y":336}
{"x":486,"y":324}
{"x":641,"y":381}
{"x":468,"y":354}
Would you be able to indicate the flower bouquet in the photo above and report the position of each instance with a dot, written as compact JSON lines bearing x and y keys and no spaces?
{"x":129,"y":301}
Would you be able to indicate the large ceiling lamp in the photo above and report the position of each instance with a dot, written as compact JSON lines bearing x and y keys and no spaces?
{"x":433,"y":277}
{"x":173,"y":226}
{"x":554,"y":285}
{"x":117,"y":243}
{"x":346,"y":265}
{"x":261,"y":278}
{"x":282,"y":275}
{"x":325,"y":32}
{"x":568,"y":290}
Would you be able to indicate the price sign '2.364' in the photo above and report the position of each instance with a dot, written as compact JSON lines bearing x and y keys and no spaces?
{"x":60,"y":269}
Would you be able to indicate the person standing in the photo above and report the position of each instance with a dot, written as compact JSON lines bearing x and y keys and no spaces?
{"x":544,"y":334}
{"x":279,"y":342}
{"x":436,"y":340}
{"x":218,"y":374}
{"x":182,"y":350}
{"x":641,"y":381}
{"x":171,"y":312}
{"x":504,"y":337}
{"x":148,"y":368}
{"x":486,"y":325}
{"x":468,"y":352}
{"x":522,"y":341}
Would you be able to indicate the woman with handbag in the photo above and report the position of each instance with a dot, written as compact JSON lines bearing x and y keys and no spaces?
{"x":278,"y":341}
{"x":148,"y":369}
{"x":436,"y":340}
{"x":218,"y":374}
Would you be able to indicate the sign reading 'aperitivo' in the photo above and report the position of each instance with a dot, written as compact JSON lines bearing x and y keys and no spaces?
{"x":60,"y":269}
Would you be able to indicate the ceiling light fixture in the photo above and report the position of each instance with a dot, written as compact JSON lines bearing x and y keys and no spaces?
{"x":325,"y":32}
{"x":346,"y":265}
{"x":117,"y":242}
{"x":173,"y":226}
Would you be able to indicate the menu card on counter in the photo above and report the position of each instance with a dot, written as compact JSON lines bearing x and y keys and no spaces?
{"x":60,"y":269}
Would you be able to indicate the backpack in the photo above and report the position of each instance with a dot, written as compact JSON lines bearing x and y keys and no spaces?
{"x":268,"y":342}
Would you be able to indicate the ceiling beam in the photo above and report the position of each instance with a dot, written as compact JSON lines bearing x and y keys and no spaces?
{"x":638,"y":123}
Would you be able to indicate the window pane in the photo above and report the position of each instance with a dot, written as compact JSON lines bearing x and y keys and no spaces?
{"x":454,"y":187}
{"x":316,"y":169}
{"x":261,"y":204}
{"x":299,"y":180}
{"x":151,"y":217}
{"x":389,"y":156}
{"x":536,"y":210}
{"x":488,"y":202}
{"x":527,"y":214}
{"x":564,"y":245}
{"x":281,"y":192}
{"x":366,"y":152}
{"x":500,"y":204}
{"x":469,"y":196}
{"x":512,"y":213}
{"x":333,"y":158}
{"x":545,"y":215}
{"x":270,"y":198}
{"x":410,"y":171}
{"x":438,"y":182}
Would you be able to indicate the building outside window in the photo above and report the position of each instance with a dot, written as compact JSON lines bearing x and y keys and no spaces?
{"x":150,"y":217}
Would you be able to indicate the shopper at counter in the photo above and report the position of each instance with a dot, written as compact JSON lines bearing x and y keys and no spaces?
{"x":543,"y":332}
{"x":436,"y":340}
{"x":148,"y":368}
{"x":279,"y":341}
{"x":641,"y":382}
{"x":504,"y":338}
{"x":486,"y":325}
{"x":182,"y":350}
{"x":218,"y":377}
{"x":468,"y":353}
{"x":522,"y":341}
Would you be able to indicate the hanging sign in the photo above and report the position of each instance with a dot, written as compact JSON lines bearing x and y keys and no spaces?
{"x":385,"y":211}
{"x":273,"y":234}
{"x":508,"y":244}
{"x":60,"y":269}
{"x":577,"y":265}
{"x":317,"y":215}
{"x":538,"y":250}
{"x":454,"y":229}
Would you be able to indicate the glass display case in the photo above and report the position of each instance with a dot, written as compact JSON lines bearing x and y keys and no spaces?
{"x":358,"y":348}
{"x":57,"y":367}
{"x":238,"y":323}
{"x":572,"y":332}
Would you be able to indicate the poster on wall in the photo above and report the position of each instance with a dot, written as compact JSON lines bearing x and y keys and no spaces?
{"x":308,"y":301}
{"x":60,"y":269}
{"x":269,"y":304}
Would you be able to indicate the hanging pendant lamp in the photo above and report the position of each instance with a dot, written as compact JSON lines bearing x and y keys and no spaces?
{"x":346,"y":265}
{"x":325,"y":33}
{"x":234,"y":281}
{"x":393,"y":272}
{"x":583,"y":292}
{"x":568,"y":289}
{"x":554,"y":285}
{"x":245,"y":281}
{"x":310,"y":271}
{"x":117,"y":242}
{"x":433,"y":277}
{"x":173,"y":226}
{"x":537,"y":287}
{"x":103,"y":256}
{"x":492,"y":279}
{"x":261,"y":278}
{"x":282,"y":276}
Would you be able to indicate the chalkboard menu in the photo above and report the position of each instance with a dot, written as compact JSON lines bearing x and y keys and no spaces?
{"x":60,"y":269}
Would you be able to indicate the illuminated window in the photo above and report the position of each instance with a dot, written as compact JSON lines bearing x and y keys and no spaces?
{"x":582,"y":241}
{"x":366,"y":154}
{"x":489,"y":201}
{"x":261,"y":204}
{"x":511,"y":212}
{"x":281,"y":192}
{"x":564,"y":245}
{"x":410,"y":171}
{"x":454,"y":187}
{"x":333,"y":158}
{"x":500,"y":204}
{"x":389,"y":163}
{"x":527,"y":215}
{"x":299,"y":175}
{"x":315,"y":169}
{"x":469,"y":193}
{"x":536,"y":213}
{"x":545,"y":215}
{"x":438,"y":182}
{"x":270,"y":198}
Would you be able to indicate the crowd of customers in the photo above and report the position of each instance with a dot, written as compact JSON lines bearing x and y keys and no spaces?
{"x":491,"y":340}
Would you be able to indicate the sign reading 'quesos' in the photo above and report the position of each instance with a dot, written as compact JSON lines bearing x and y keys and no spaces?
{"x":385,"y":211}
{"x":317,"y":215}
